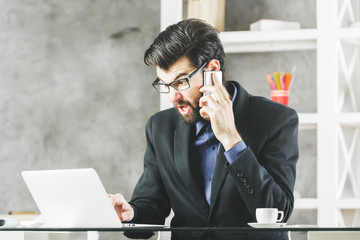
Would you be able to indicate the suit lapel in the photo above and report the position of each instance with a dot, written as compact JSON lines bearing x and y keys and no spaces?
{"x":181,"y":151}
{"x":218,"y":177}
{"x":182,"y":161}
{"x":241,"y":110}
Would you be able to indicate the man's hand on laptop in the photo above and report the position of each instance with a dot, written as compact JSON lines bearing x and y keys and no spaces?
{"x":123,"y":209}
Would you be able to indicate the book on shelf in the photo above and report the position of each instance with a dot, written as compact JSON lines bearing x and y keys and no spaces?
{"x":271,"y":25}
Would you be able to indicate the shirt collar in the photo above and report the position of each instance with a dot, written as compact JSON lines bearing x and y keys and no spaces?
{"x":232,"y":91}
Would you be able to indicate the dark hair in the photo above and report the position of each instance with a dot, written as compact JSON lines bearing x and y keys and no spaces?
{"x":192,"y":38}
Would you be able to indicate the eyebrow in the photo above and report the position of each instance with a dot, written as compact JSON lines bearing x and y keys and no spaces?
{"x":176,"y":78}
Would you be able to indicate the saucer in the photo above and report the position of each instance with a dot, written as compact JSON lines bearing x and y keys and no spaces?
{"x":267,"y":225}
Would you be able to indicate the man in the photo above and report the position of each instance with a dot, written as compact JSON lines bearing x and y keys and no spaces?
{"x":214,"y":171}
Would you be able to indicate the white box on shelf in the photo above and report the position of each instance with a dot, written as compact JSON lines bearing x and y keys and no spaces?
{"x":271,"y":25}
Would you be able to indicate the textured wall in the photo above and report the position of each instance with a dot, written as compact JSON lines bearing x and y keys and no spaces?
{"x":74,"y":91}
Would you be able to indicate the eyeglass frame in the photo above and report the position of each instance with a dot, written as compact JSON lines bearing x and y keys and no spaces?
{"x":187,"y":79}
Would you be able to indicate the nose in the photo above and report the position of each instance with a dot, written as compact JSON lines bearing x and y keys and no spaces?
{"x":174,"y":96}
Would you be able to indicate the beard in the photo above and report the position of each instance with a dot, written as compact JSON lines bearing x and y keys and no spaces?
{"x":194,"y":114}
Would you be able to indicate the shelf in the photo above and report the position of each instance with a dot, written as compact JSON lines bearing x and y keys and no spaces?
{"x":351,"y":203}
{"x":306,"y":203}
{"x":312,"y":203}
{"x":349,"y":35}
{"x":308,"y":120}
{"x":351,"y":118}
{"x":269,"y":41}
{"x":285,"y":40}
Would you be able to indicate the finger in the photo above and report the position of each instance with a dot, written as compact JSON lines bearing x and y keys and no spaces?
{"x":215,"y":92}
{"x":212,"y":101}
{"x":120,"y":198}
{"x":122,"y":203}
{"x":119,"y":211}
{"x":117,"y":199}
{"x":216,"y":81}
{"x":112,"y":199}
{"x":225,"y":94}
{"x":125,"y":206}
{"x":207,"y":88}
{"x":206,"y":110}
{"x":123,"y":216}
{"x":218,"y":97}
{"x":208,"y":98}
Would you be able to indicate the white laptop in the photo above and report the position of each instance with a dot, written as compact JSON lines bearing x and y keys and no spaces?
{"x":73,"y":198}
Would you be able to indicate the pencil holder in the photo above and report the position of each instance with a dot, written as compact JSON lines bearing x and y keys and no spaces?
{"x":280,"y":96}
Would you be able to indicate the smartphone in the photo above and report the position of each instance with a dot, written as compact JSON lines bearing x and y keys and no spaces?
{"x":208,"y":81}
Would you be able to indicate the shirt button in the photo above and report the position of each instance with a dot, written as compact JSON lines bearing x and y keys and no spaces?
{"x":240,"y":174}
{"x":213,"y":148}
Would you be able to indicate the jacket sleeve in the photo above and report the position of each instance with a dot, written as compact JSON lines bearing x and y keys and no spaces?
{"x":149,"y":196}
{"x":268,"y":181}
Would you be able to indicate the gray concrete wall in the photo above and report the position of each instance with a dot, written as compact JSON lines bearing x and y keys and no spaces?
{"x":74,"y":91}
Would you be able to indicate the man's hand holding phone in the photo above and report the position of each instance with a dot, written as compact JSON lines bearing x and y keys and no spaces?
{"x":123,"y":209}
{"x":218,"y":107}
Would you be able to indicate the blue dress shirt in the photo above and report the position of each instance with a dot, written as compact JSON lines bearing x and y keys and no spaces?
{"x":205,"y":147}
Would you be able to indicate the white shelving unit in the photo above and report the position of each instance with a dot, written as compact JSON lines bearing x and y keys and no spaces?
{"x":246,"y":41}
{"x":349,"y":118}
{"x":337,"y":119}
{"x":308,"y":120}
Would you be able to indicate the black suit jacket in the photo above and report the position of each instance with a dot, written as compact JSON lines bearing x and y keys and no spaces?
{"x":262,"y":176}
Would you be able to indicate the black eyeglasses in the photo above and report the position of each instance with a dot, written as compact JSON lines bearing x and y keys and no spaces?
{"x":179,"y":84}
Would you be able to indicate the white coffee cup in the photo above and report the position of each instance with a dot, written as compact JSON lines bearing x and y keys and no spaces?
{"x":268,"y":215}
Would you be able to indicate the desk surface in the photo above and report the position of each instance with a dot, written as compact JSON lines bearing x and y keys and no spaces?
{"x":165,"y":233}
{"x":296,"y":228}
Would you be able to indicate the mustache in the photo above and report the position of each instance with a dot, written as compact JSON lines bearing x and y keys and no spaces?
{"x":182,"y":103}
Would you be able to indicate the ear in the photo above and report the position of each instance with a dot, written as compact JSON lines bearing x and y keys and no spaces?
{"x":213,"y":65}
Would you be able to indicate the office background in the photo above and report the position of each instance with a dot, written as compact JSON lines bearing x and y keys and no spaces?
{"x":74,"y":91}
